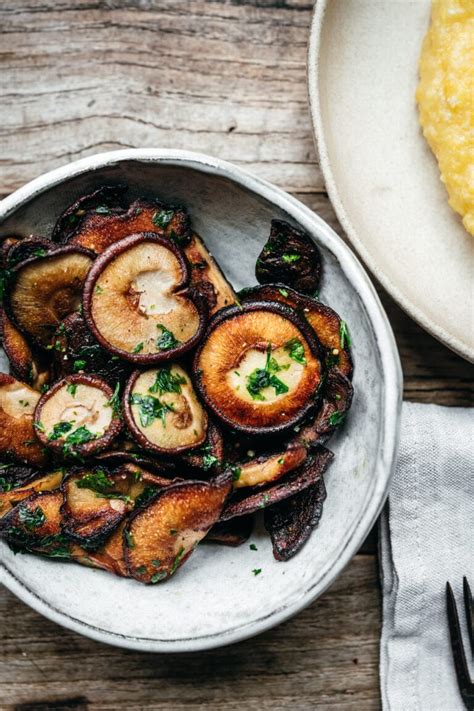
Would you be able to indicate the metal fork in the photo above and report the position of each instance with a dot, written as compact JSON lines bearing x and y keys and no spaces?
{"x":466,"y":685}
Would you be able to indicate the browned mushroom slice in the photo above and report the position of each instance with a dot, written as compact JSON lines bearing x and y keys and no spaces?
{"x":95,"y":502}
{"x":158,"y":465}
{"x":207,"y":277}
{"x":44,"y":290}
{"x":109,"y":556}
{"x":291,"y":257}
{"x":291,"y":521}
{"x":331,"y":330}
{"x":106,"y":200}
{"x":266,"y":468}
{"x":161,"y":536}
{"x":75,"y":349}
{"x":309,"y":473}
{"x":162,"y":411}
{"x":231,"y":533}
{"x":258,"y":368}
{"x":25,"y":365}
{"x":101,"y":227}
{"x":11,"y":495}
{"x":137,"y":304}
{"x":77,"y":416}
{"x":34,"y":526}
{"x":18,"y":440}
{"x":27,"y":248}
{"x":210,"y":456}
{"x":336,"y":401}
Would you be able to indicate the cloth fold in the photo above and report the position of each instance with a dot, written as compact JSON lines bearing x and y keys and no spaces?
{"x":426,"y":538}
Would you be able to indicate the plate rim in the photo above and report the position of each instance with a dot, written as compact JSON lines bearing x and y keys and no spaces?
{"x":392,"y":396}
{"x":415,"y":312}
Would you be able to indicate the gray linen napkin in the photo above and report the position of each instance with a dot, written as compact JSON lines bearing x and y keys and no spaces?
{"x":426,"y":538}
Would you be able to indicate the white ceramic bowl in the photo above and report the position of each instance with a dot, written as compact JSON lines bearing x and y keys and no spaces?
{"x":215,"y":599}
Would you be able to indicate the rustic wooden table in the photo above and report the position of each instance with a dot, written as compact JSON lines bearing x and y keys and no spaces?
{"x":225,"y":77}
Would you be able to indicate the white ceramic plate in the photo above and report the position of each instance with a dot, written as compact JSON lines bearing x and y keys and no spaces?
{"x":216,"y":599}
{"x":380,"y":174}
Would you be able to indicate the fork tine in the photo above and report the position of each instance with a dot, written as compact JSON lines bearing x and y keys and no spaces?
{"x":460,"y":663}
{"x":469,"y":611}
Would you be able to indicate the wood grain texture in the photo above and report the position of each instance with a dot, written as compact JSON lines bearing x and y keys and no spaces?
{"x":325,"y":658}
{"x":226,"y":77}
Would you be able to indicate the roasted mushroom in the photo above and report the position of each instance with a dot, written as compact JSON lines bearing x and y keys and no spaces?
{"x":106,"y":200}
{"x":34,"y":525}
{"x":161,"y":536}
{"x":291,"y":257}
{"x":291,"y":521}
{"x":258,"y":367}
{"x":210,"y":456}
{"x":78,"y":416}
{"x":75,"y":349}
{"x":266,"y":468}
{"x":28,"y":366}
{"x":27,"y":248}
{"x":162,"y":411}
{"x":308,"y":474}
{"x":44,"y":290}
{"x":18,"y":441}
{"x":97,"y":223}
{"x":207,"y":277}
{"x":231,"y":533}
{"x":336,"y":401}
{"x":96,"y":500}
{"x":137,"y":304}
{"x":332,"y":331}
{"x":11,"y":495}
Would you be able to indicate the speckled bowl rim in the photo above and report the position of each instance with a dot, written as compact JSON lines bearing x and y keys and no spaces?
{"x":412,"y":309}
{"x":390,"y":416}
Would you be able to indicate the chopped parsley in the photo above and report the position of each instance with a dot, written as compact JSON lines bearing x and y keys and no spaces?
{"x":151,"y":409}
{"x":114,"y":401}
{"x":145,"y":496}
{"x":5,"y":485}
{"x":344,"y":335}
{"x":283,"y":292}
{"x":157,"y":577}
{"x":80,"y":436}
{"x":295,"y":350}
{"x":253,"y":547}
{"x":177,"y":561}
{"x":59,"y":430}
{"x":129,"y":539}
{"x":161,"y":218}
{"x":256,"y":571}
{"x":98,"y":289}
{"x":72,"y":389}
{"x":167,"y":382}
{"x":138,"y":348}
{"x":290,"y":258}
{"x":97,"y":481}
{"x":263,"y":378}
{"x":31,"y":519}
{"x":236,"y":472}
{"x":79,"y":364}
{"x":336,"y":418}
{"x":208,"y":461}
{"x":167,"y":340}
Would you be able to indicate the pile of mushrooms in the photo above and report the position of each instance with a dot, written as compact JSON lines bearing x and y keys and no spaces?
{"x":148,"y":406}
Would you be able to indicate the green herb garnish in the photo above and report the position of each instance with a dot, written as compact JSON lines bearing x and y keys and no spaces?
{"x":167,"y":382}
{"x":263,"y":378}
{"x":283,"y":292}
{"x":256,"y":571}
{"x":161,"y":218}
{"x":167,"y":340}
{"x":80,"y":436}
{"x":176,"y":561}
{"x":98,"y":289}
{"x":150,"y":409}
{"x":208,"y":461}
{"x":344,"y":335}
{"x":79,"y":364}
{"x":138,"y":348}
{"x":129,"y":539}
{"x":72,"y":389}
{"x":336,"y":418}
{"x":145,"y":496}
{"x":253,"y":547}
{"x":290,"y":258}
{"x":97,"y":481}
{"x":59,"y":430}
{"x":114,"y":401}
{"x":295,"y":350}
{"x":31,"y":519}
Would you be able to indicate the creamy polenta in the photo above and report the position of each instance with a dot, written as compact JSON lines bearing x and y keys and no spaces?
{"x":445,"y":98}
